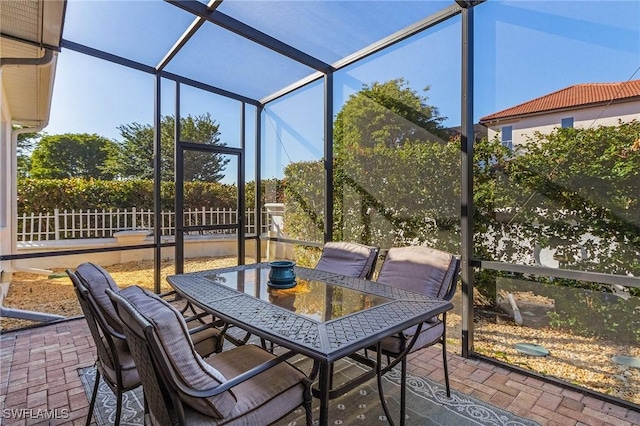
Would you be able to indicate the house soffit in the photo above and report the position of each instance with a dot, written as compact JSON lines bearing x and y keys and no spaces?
{"x":27,"y":28}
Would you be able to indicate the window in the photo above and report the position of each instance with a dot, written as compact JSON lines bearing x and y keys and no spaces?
{"x":567,"y":122}
{"x":507,"y":136}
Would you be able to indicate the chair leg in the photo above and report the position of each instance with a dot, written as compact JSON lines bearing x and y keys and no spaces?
{"x":444,"y":363}
{"x":403,"y":391}
{"x":94,"y":395}
{"x":331,"y":376}
{"x":118,"y":408}
{"x":383,"y":402}
{"x":307,"y":405}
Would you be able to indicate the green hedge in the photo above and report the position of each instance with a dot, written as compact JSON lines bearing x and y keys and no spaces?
{"x":45,"y":195}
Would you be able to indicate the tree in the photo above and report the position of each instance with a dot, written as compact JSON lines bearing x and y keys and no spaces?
{"x":26,"y":143}
{"x":72,"y":155}
{"x":396,"y":178}
{"x":388,"y":114}
{"x":135,"y":159}
{"x":385,"y":136}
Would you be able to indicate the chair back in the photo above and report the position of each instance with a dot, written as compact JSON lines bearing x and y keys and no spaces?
{"x":136,"y":328}
{"x":350,"y":259}
{"x":97,"y":280}
{"x":182,"y":369}
{"x":422,"y":270}
{"x":104,"y":336}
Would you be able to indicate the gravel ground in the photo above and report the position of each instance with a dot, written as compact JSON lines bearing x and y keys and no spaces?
{"x":580,"y":360}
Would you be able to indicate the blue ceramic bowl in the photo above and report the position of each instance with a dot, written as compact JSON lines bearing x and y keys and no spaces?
{"x":282,"y":272}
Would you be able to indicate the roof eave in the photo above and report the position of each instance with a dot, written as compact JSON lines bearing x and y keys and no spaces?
{"x":489,"y":122}
{"x":28,"y":75}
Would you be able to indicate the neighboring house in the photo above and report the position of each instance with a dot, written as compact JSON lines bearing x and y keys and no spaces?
{"x":579,"y":106}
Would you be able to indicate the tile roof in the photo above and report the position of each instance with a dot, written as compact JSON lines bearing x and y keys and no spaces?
{"x":579,"y":95}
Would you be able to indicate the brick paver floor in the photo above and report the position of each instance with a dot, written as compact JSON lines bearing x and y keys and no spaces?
{"x":38,"y":371}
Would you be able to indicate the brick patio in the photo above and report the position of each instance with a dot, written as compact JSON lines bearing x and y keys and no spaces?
{"x":38,"y":371}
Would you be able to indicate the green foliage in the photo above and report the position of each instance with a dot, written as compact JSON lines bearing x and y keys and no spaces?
{"x":72,"y":156}
{"x":25,"y":144}
{"x":44,"y":195}
{"x":394,"y":184}
{"x":387,"y":197}
{"x":388,"y":114}
{"x":577,"y":183}
{"x":304,"y":200}
{"x":595,"y":313}
{"x":386,"y":137}
{"x":400,"y":196}
{"x":135,"y":155}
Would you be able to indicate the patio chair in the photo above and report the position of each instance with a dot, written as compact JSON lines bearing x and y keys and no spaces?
{"x":205,"y":335}
{"x":243,"y":385}
{"x":350,"y":259}
{"x":114,"y":363}
{"x":421,"y":270}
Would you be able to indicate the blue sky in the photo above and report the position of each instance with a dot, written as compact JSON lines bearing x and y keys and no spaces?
{"x":524,"y":49}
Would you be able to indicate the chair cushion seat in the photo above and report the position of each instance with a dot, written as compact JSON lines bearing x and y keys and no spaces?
{"x":430,"y":334}
{"x":261,"y":399}
{"x":207,"y":341}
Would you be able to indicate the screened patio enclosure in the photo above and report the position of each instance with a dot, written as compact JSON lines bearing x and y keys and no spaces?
{"x":356,"y":121}
{"x":260,"y":57}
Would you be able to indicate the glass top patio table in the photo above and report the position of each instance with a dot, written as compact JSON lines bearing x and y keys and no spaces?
{"x":312,"y":298}
{"x":325,"y":316}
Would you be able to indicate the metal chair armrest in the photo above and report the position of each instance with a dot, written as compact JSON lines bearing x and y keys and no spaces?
{"x":206,"y":393}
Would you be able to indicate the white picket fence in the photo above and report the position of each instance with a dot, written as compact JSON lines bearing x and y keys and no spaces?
{"x":64,"y":225}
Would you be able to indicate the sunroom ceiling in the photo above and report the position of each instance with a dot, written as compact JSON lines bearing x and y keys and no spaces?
{"x":249,"y":48}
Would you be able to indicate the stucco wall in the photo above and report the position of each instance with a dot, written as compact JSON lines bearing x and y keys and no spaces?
{"x":582,"y":118}
{"x":5,"y":192}
{"x":193,"y":247}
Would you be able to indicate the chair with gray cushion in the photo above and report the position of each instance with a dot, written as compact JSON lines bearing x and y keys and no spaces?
{"x":421,"y":270}
{"x":349,"y":259}
{"x":207,"y":338}
{"x":114,"y":363}
{"x":243,"y":385}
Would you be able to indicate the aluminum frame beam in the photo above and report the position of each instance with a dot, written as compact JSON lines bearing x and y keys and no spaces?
{"x":186,"y":36}
{"x":467,"y":138}
{"x":250,"y":33}
{"x":157,"y":184}
{"x":424,"y":24}
{"x":100,"y":54}
{"x":96,"y":53}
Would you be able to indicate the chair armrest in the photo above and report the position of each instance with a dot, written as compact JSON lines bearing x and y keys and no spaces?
{"x":198,"y":329}
{"x":205,"y":393}
{"x":167,"y":294}
{"x":196,"y":317}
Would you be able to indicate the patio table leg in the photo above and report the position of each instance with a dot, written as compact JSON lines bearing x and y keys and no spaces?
{"x":403,"y":391}
{"x":323,"y":385}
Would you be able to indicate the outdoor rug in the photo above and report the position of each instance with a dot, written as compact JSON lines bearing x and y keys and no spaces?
{"x":427,"y":403}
